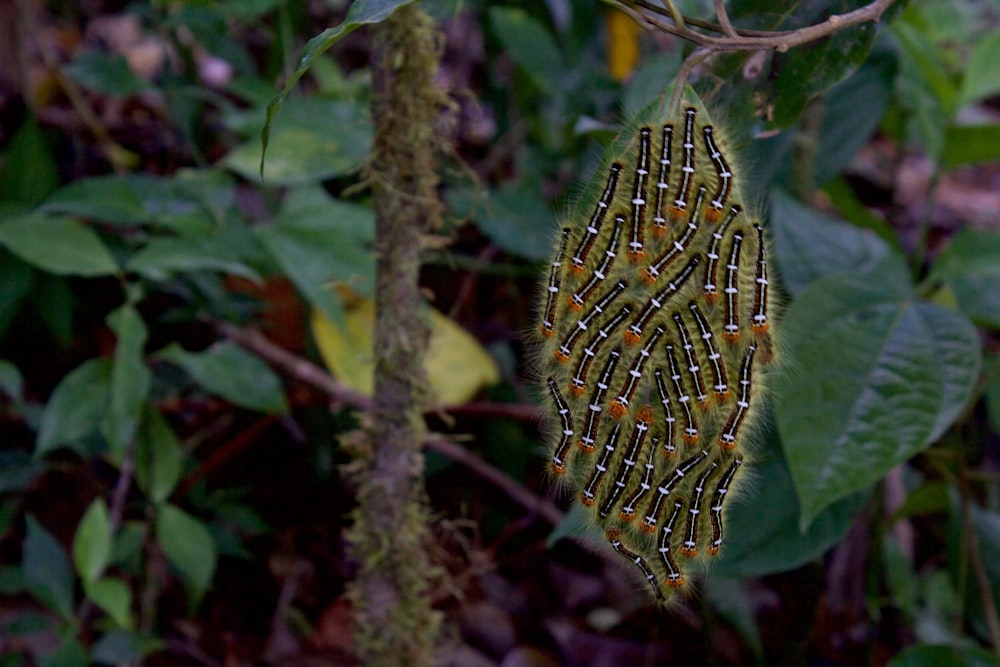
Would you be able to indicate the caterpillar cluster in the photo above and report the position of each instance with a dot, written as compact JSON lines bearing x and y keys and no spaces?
{"x":655,"y":335}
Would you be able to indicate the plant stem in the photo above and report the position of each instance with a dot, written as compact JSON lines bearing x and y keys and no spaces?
{"x":390,"y":596}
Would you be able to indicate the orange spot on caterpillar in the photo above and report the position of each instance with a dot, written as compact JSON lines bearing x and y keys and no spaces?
{"x":713,"y":215}
{"x":616,"y":409}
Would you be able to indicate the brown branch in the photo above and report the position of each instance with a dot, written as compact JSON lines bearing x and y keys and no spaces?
{"x":740,"y":40}
{"x":727,"y":27}
{"x":311,"y":374}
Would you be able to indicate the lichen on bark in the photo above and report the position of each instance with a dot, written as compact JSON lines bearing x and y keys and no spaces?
{"x":396,"y":624}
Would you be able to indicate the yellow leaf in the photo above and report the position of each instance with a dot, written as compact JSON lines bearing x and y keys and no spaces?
{"x":623,"y":44}
{"x":457,"y":365}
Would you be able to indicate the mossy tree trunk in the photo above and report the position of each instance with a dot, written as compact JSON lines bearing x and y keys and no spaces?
{"x":396,"y":623}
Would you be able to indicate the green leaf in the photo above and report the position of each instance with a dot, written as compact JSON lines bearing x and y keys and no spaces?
{"x":852,"y":110}
{"x":531,"y":46}
{"x":104,"y":74}
{"x":114,"y":597}
{"x":112,"y":199}
{"x":810,"y":245}
{"x":924,"y":89}
{"x":986,"y":525}
{"x":158,"y":457}
{"x":27,"y":171}
{"x":760,"y":543}
{"x":130,"y":379}
{"x":313,"y":139}
{"x":59,"y":245}
{"x":874,"y":378}
{"x":163,"y":258}
{"x":923,"y":655}
{"x":188,"y":547}
{"x":982,"y":77}
{"x":971,"y":144}
{"x":16,"y":280}
{"x":76,"y":407}
{"x":17,"y":471}
{"x":70,"y":654}
{"x":230,"y":373}
{"x":516,"y":218}
{"x":92,"y":542}
{"x":11,"y":382}
{"x":317,"y":241}
{"x":121,"y":647}
{"x":362,"y":12}
{"x":46,"y":569}
{"x":970,"y":267}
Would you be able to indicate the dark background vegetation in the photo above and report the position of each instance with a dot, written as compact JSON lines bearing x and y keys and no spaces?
{"x":170,"y":485}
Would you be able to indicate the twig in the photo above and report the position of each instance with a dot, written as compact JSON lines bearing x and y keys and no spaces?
{"x":740,"y":40}
{"x":515,"y":491}
{"x":720,"y":12}
{"x":305,"y":371}
{"x":976,"y":558}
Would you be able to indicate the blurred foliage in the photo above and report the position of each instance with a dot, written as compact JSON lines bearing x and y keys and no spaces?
{"x":110,"y":283}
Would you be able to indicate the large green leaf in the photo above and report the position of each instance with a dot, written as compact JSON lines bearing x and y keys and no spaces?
{"x":47,"y":573}
{"x":970,"y":266}
{"x":92,"y":541}
{"x":810,"y":245}
{"x":785,"y":82}
{"x":162,"y":258}
{"x":130,"y":379}
{"x":874,"y":377}
{"x":762,"y":524}
{"x":230,"y":373}
{"x":56,"y":244}
{"x":516,"y":218}
{"x":76,"y":407}
{"x":317,"y":240}
{"x":362,"y":12}
{"x":852,"y":110}
{"x":313,"y":139}
{"x":188,"y":546}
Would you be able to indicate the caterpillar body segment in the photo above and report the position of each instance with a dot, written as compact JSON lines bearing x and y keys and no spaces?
{"x":656,"y":335}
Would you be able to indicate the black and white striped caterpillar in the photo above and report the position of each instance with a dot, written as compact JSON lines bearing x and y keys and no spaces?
{"x":655,"y":338}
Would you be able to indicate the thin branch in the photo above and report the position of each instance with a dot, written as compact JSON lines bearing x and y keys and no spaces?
{"x":975,"y":556}
{"x":517,"y":492}
{"x":305,"y":371}
{"x":738,"y":40}
{"x":720,"y":12}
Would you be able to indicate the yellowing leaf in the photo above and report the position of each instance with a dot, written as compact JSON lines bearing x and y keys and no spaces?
{"x":623,"y":44}
{"x":457,"y":365}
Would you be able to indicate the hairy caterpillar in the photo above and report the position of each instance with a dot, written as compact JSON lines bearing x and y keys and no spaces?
{"x":655,"y":338}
